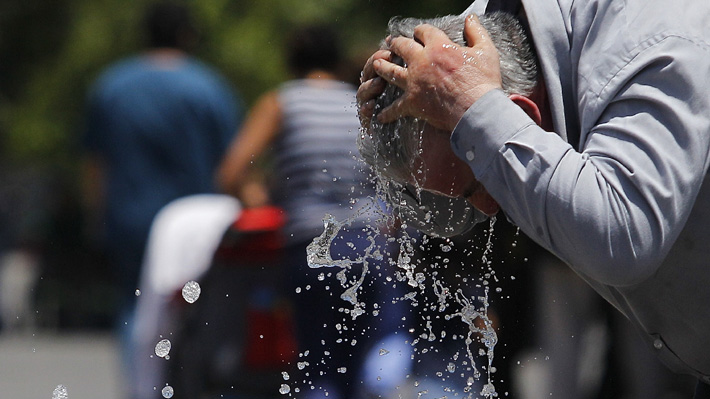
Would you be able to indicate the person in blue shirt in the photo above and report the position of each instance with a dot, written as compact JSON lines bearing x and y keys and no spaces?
{"x":157,"y":125}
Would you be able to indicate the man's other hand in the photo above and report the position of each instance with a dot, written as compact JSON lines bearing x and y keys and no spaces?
{"x":441,"y":80}
{"x":371,"y":86}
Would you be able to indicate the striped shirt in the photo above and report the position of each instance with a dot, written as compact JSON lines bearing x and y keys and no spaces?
{"x":316,"y":156}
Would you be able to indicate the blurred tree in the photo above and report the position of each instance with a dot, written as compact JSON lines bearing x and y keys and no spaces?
{"x":50,"y":51}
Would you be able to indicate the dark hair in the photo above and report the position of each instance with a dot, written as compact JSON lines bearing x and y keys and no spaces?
{"x":313,"y":47}
{"x":169,"y":24}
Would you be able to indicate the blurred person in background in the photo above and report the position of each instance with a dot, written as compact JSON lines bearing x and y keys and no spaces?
{"x":157,"y":125}
{"x":309,"y":126}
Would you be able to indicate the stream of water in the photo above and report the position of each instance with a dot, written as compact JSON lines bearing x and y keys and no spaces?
{"x":452,"y":304}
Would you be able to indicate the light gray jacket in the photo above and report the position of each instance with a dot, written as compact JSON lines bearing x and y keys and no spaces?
{"x":619,"y":191}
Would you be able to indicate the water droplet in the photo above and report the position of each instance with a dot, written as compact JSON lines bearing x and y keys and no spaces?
{"x":384,"y":352}
{"x":285,"y":388}
{"x":60,"y":392}
{"x":168,"y":391}
{"x":191,"y":291}
{"x":138,"y":292}
{"x":489,"y":390}
{"x":342,"y":370}
{"x":162,"y":348}
{"x":285,"y":375}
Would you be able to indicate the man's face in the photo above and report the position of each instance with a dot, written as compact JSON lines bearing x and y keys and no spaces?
{"x":439,"y":170}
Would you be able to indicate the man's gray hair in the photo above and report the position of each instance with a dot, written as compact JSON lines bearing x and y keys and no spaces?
{"x":391,"y":148}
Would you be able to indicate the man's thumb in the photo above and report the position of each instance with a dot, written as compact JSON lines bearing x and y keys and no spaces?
{"x":473,"y":31}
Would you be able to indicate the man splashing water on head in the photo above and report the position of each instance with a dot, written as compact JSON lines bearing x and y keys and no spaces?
{"x":419,"y":175}
{"x":604,"y":163}
{"x":413,"y":159}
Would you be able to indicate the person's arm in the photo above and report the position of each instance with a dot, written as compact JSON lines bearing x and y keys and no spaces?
{"x":258,"y":131}
{"x":613,"y":209}
{"x":93,"y":191}
{"x":93,"y":167}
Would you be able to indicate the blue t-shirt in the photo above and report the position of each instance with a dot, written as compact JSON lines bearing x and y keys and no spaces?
{"x":160,"y":131}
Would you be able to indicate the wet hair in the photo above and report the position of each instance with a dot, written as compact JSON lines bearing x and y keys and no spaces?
{"x":313,"y":47}
{"x":391,"y":148}
{"x":169,"y":24}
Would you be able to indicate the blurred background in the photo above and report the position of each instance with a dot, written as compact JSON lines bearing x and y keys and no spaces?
{"x":57,"y":296}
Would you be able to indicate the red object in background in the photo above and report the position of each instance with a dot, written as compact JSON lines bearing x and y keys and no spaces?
{"x":255,"y":240}
{"x":255,"y":237}
{"x":270,"y":341}
{"x":260,"y":219}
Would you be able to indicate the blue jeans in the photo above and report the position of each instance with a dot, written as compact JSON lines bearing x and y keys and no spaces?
{"x":702,"y":391}
{"x":317,"y":309}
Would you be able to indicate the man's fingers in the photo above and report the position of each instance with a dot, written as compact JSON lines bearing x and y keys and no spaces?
{"x":474,"y":32}
{"x":368,"y":72}
{"x":392,"y":73}
{"x":366,"y":95}
{"x":404,"y":47}
{"x":370,"y":89}
{"x":427,"y":34}
{"x":391,"y":113}
{"x":365,"y":112}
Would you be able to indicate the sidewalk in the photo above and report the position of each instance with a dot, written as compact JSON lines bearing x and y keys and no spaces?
{"x":32,"y":366}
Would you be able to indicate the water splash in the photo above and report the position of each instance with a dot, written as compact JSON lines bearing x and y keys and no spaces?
{"x":318,"y":255}
{"x":60,"y":392}
{"x":167,"y":392}
{"x":318,"y":251}
{"x":472,"y":311}
{"x":162,"y":348}
{"x":191,"y":291}
{"x":284,"y":389}
{"x":453,"y":304}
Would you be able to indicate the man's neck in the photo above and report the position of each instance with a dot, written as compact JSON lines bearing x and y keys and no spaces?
{"x":539,"y":97}
{"x":320,"y":74}
{"x":166,"y":57}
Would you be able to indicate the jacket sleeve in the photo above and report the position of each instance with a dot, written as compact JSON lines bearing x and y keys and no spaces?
{"x":613,"y":209}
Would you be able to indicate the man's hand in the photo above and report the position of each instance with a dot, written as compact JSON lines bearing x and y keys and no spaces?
{"x":441,"y":80}
{"x":371,"y":86}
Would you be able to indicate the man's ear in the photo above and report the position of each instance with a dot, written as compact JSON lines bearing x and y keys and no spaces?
{"x":528,"y":106}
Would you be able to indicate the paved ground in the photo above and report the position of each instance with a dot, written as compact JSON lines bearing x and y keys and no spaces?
{"x":33,"y":366}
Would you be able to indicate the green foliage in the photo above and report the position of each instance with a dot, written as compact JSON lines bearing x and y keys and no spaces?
{"x":50,"y":52}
